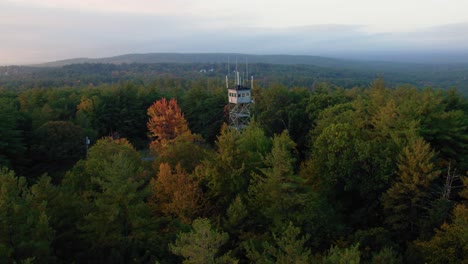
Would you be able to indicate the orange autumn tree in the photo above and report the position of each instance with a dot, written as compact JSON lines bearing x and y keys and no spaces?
{"x":176,"y":193}
{"x":166,"y":122}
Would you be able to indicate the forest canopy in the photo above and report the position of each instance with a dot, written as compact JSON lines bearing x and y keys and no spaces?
{"x":323,"y":174}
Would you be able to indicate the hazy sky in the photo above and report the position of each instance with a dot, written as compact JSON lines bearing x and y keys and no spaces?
{"x":45,"y":30}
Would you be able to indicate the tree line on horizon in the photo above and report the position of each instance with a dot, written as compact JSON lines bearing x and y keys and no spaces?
{"x":321,"y":175}
{"x":345,"y":74}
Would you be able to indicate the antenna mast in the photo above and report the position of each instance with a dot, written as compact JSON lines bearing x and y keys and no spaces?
{"x":240,"y":98}
{"x":247,"y":70}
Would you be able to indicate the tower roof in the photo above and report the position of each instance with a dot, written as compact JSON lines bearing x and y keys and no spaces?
{"x":239,"y":87}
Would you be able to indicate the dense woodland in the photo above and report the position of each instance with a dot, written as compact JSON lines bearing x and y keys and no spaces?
{"x":346,"y":74}
{"x":375,"y":173}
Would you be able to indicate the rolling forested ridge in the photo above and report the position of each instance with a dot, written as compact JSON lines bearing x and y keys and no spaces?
{"x":336,"y":166}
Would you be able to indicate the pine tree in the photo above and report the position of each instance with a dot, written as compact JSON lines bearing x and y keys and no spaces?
{"x":338,"y":255}
{"x":288,"y":248}
{"x":238,"y":154}
{"x":201,"y":245}
{"x":405,"y":201}
{"x":11,"y":141}
{"x":116,"y":221}
{"x":450,"y":242}
{"x":272,"y":193}
{"x":25,"y":232}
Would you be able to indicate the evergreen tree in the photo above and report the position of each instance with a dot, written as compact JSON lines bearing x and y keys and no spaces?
{"x":117,"y":222}
{"x":201,"y":245}
{"x":338,"y":255}
{"x":203,"y":108}
{"x":273,"y":193}
{"x":11,"y":139}
{"x":228,"y":172}
{"x":57,"y":146}
{"x":289,"y":248}
{"x":386,"y":256}
{"x":450,"y":242}
{"x":65,"y":211}
{"x":406,"y":200}
{"x":25,"y":233}
{"x":278,"y":196}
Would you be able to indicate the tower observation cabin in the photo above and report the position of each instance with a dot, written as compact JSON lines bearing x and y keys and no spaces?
{"x":240,"y":100}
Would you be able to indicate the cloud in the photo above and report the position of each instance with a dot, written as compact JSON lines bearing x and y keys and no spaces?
{"x":107,"y":6}
{"x":35,"y":35}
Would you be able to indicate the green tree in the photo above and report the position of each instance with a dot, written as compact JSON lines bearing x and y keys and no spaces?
{"x":288,"y":248}
{"x":120,"y":112}
{"x":386,"y":256}
{"x":236,"y":215}
{"x":273,"y":193}
{"x":11,"y":139}
{"x":238,"y":154}
{"x":338,"y":255}
{"x":187,"y":150}
{"x":57,"y":146}
{"x":404,"y":202}
{"x":25,"y":232}
{"x":203,"y":110}
{"x":116,"y":220}
{"x":65,"y":211}
{"x":278,"y":108}
{"x":114,"y":110}
{"x":100,"y":156}
{"x":324,"y":97}
{"x":354,"y":146}
{"x":277,"y":196}
{"x":450,"y":243}
{"x":34,"y":103}
{"x":374,"y":240}
{"x":201,"y":245}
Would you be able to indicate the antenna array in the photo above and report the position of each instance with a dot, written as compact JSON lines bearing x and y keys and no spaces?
{"x":240,"y":79}
{"x":239,"y":97}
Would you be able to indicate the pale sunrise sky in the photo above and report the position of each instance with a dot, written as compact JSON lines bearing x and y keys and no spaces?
{"x":34,"y":31}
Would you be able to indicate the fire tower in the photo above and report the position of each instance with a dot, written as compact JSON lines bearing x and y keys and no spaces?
{"x":239,"y":102}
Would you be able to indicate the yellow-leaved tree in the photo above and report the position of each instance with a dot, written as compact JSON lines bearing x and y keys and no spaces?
{"x":176,"y":193}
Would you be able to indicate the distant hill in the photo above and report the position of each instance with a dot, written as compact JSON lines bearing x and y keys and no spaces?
{"x":149,"y":58}
{"x":291,"y":70}
{"x":216,"y":58}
